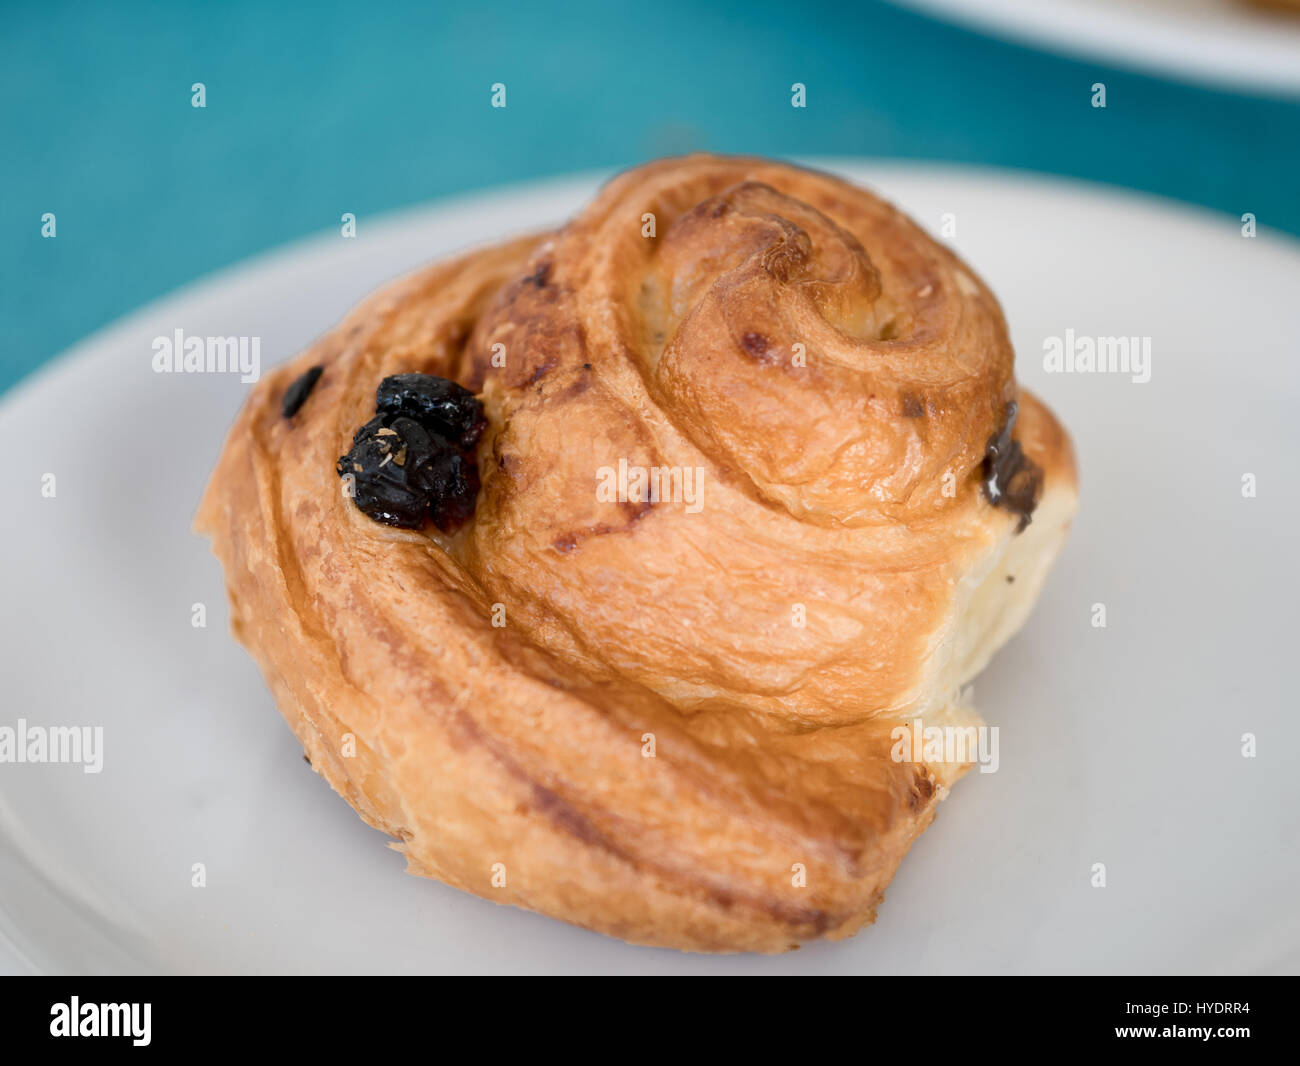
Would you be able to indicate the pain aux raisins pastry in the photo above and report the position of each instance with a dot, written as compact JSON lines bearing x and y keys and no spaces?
{"x":600,"y":568}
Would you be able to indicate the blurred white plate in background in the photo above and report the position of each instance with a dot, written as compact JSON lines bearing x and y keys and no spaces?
{"x":1214,"y":41}
{"x":1118,"y":745}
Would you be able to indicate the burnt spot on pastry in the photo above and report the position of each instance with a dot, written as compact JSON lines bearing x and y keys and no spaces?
{"x":922,"y":790}
{"x":540,"y":276}
{"x":296,"y":394}
{"x":635,"y":510}
{"x":912,"y":407}
{"x":509,"y":463}
{"x":568,"y":542}
{"x":1012,"y":480}
{"x":539,"y":343}
{"x":549,"y":804}
{"x":414,"y":461}
{"x":541,"y":370}
{"x":576,"y":387}
{"x":756,"y":346}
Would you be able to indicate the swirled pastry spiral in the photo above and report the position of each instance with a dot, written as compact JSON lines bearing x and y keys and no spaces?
{"x":757,"y":487}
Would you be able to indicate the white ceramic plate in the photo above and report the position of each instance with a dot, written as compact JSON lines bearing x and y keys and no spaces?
{"x":1214,"y":41}
{"x":1119,"y":745}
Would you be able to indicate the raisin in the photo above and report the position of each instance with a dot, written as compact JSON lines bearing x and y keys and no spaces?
{"x":414,"y":460}
{"x":296,"y":394}
{"x":382,"y":488}
{"x":371,"y":428}
{"x":1012,"y":480}
{"x":452,"y":482}
{"x":439,"y":405}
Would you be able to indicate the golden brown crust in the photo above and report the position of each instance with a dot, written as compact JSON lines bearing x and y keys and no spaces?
{"x":840,"y":489}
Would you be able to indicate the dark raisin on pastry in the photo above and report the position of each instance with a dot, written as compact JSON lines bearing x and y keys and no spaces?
{"x":441,"y":406}
{"x":296,"y":394}
{"x":414,"y":460}
{"x":1012,"y":480}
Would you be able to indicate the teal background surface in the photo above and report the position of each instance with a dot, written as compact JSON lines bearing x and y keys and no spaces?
{"x":317,"y":109}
